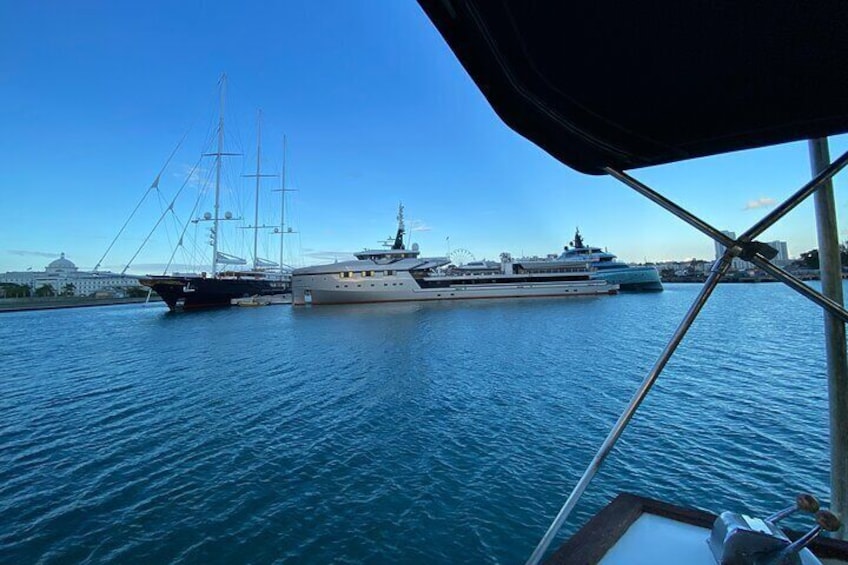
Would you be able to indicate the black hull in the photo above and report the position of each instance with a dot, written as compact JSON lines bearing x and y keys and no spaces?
{"x":196,"y":293}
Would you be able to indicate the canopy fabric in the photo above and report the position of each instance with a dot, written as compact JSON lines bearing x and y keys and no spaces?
{"x":630,"y":84}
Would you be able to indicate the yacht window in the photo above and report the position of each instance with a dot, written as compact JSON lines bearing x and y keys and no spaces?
{"x":389,"y":273}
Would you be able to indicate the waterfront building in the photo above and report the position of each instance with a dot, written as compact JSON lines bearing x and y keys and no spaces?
{"x":736,"y":264}
{"x":782,"y":257}
{"x":719,"y":248}
{"x":62,"y":272}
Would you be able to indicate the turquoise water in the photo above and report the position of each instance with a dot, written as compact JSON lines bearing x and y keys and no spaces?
{"x":437,"y":433}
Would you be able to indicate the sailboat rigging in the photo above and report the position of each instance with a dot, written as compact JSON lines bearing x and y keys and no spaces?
{"x":221,"y":287}
{"x":283,"y":230}
{"x":258,"y":262}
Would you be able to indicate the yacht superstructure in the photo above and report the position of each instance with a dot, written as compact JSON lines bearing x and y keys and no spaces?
{"x":400,"y":274}
{"x":607,"y":267}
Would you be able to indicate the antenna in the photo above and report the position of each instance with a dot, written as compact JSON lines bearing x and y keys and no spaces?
{"x":401,"y":230}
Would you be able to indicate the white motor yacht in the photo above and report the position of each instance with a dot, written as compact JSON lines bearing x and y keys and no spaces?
{"x":400,"y":274}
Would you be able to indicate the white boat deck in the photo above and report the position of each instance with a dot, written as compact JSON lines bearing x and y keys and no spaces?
{"x":633,"y":530}
{"x":655,"y":540}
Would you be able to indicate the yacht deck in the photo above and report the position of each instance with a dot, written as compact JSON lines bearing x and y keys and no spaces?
{"x":633,"y":530}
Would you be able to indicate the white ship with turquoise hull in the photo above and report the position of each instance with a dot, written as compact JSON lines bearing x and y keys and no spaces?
{"x":628,"y":278}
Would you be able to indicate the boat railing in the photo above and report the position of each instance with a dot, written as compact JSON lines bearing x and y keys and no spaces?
{"x":745,"y":247}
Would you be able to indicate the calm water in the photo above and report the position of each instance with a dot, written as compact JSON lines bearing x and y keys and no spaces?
{"x":437,"y":433}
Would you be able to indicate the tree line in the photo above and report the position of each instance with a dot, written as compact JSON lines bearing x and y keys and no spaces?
{"x":810,"y":259}
{"x":11,"y":290}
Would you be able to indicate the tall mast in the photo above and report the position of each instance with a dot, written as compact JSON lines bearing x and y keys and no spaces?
{"x":218,"y":155}
{"x":283,"y":208}
{"x":258,"y":177}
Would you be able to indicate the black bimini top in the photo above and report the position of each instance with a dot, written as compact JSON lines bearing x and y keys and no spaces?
{"x":626,"y":84}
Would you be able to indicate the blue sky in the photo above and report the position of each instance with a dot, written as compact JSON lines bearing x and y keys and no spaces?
{"x":94,"y":96}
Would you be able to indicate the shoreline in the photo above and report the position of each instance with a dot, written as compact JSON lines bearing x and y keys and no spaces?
{"x":742,"y":280}
{"x":54,"y":303}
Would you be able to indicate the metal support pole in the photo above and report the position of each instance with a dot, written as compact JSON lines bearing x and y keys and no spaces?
{"x":823,"y":177}
{"x":796,"y":284}
{"x":635,"y":402}
{"x":670,"y":206}
{"x":834,"y":330}
{"x":831,"y":302}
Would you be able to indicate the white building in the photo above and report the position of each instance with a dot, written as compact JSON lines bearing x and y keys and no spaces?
{"x":719,"y":248}
{"x":736,"y":264}
{"x":61,"y":272}
{"x":782,"y":257}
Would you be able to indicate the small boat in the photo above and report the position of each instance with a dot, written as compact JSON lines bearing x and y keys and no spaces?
{"x":252,"y":301}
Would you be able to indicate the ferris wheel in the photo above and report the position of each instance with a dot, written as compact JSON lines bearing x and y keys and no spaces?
{"x":460,"y":257}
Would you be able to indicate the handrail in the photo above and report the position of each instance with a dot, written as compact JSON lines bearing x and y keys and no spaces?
{"x":630,"y":410}
{"x":733,"y":248}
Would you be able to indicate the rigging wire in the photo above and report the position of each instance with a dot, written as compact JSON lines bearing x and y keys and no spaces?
{"x":153,"y":186}
{"x":163,"y":208}
{"x":185,"y":228}
{"x":161,"y":217}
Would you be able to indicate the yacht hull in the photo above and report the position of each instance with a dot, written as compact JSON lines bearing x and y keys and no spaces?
{"x":631,"y":279}
{"x":196,"y":292}
{"x":308,"y":290}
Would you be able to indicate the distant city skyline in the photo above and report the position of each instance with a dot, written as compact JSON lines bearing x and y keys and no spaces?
{"x":781,"y":247}
{"x":376,"y":109}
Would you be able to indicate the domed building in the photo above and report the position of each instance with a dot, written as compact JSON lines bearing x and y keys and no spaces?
{"x":61,"y":265}
{"x":64,"y":277}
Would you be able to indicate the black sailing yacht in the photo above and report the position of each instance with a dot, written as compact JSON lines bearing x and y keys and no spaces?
{"x":191,"y":292}
{"x":221,"y":288}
